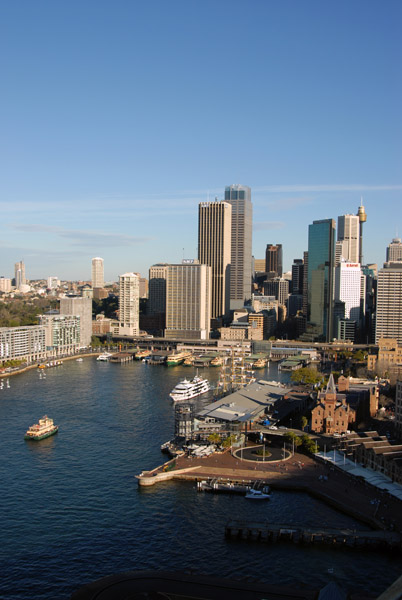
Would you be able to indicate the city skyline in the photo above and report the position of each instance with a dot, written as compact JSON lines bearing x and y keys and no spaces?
{"x":108,"y":148}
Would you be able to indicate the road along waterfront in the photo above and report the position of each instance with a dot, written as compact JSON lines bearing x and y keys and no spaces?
{"x":72,"y":510}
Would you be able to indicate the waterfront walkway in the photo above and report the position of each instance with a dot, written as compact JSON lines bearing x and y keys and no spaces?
{"x":300,"y":472}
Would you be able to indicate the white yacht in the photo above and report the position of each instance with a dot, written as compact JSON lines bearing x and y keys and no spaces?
{"x":104,"y":356}
{"x":253,"y":494}
{"x":187,"y":389}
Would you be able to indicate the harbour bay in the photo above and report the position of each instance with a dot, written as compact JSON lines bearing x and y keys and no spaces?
{"x":72,"y":510}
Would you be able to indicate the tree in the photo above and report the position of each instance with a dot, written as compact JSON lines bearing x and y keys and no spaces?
{"x":306,"y":375}
{"x":214,"y":438}
{"x":303,"y":422}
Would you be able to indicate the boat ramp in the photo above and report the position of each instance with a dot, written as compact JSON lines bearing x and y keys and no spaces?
{"x":336,"y":538}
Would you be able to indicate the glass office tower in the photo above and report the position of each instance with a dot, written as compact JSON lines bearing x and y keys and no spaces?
{"x":321,"y":260}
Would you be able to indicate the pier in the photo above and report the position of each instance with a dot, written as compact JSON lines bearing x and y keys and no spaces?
{"x":336,"y":538}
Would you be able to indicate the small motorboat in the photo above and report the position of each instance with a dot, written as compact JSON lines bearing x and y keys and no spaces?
{"x":253,"y":494}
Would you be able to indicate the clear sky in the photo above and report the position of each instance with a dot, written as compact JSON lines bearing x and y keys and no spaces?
{"x":118,"y":118}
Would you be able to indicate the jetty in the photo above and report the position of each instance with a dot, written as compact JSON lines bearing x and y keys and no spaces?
{"x":335,"y":538}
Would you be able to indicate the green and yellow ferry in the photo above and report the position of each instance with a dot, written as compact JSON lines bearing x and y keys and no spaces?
{"x":45,"y":428}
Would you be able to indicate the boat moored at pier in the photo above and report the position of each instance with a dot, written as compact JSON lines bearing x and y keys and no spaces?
{"x":187,"y":389}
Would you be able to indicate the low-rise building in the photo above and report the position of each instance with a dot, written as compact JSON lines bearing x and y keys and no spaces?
{"x":375,"y":452}
{"x":332,"y":414}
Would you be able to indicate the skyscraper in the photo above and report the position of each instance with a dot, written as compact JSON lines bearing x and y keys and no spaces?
{"x":157,"y":289}
{"x":19,"y":274}
{"x":97,"y":273}
{"x":348,"y":233}
{"x":389,"y":302}
{"x":321,"y":257}
{"x":348,"y":291}
{"x":188,"y":301}
{"x":297,"y":276}
{"x":394,"y":250}
{"x":214,"y":249}
{"x":129,"y":304}
{"x":241,"y":252}
{"x":273,"y":259}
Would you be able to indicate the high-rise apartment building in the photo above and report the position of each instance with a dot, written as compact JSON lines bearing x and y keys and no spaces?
{"x":241,"y":252}
{"x":394,"y":250}
{"x":19,"y":270}
{"x":188,"y":301}
{"x":81,"y":307}
{"x":389,"y":302}
{"x":214,"y":249}
{"x":98,"y":280}
{"x":321,"y":257}
{"x":273,"y":259}
{"x":62,"y":333}
{"x":129,"y":304}
{"x":348,"y":234}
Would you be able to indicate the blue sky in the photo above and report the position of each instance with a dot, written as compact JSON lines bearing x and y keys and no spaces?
{"x":118,"y":118}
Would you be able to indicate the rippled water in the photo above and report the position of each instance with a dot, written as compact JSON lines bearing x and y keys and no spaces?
{"x":72,"y":510}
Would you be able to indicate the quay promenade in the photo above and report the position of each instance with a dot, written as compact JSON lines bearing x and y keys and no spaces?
{"x":300,"y":472}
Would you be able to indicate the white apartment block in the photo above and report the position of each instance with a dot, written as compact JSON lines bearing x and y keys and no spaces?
{"x":5,"y":285}
{"x":188,"y":301}
{"x":62,"y":333}
{"x":22,"y":343}
{"x":129,"y":304}
{"x":53,"y":283}
{"x":98,"y":280}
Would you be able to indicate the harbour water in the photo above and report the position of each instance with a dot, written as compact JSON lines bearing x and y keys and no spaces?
{"x":72,"y":510}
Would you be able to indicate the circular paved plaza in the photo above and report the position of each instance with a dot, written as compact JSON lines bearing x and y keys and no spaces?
{"x":250,"y":454}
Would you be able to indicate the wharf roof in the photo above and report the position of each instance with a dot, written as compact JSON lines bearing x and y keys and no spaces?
{"x":247,"y":403}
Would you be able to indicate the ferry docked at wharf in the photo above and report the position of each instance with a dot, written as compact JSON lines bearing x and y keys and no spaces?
{"x":177,"y":359}
{"x":45,"y":428}
{"x":105,"y":356}
{"x":190,"y":388}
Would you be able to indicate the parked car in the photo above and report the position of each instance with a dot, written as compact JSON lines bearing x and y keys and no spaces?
{"x":272,"y":427}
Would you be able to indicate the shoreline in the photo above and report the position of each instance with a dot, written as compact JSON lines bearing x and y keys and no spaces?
{"x":35,"y":366}
{"x":302,"y":473}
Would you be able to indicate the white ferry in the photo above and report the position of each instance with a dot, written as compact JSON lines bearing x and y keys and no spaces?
{"x":187,"y":389}
{"x":41,"y":430}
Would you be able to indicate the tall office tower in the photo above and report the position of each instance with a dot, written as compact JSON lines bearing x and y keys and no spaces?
{"x":273,"y":259}
{"x":389,"y":302}
{"x":361,"y":213}
{"x":79,"y":307}
{"x":348,"y":232}
{"x":188,"y":301}
{"x":321,"y":258}
{"x":348,"y":290}
{"x":297,"y":276}
{"x":19,"y":269}
{"x":129,"y":304}
{"x":157,"y":289}
{"x":394,"y":250}
{"x":214,"y":249}
{"x":242,"y":236}
{"x":98,"y":280}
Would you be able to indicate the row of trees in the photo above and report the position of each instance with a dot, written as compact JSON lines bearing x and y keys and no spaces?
{"x":304,"y":442}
